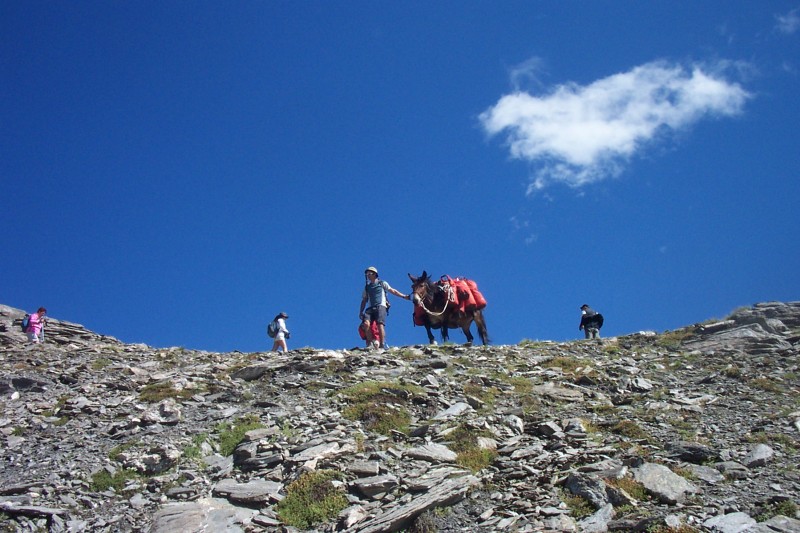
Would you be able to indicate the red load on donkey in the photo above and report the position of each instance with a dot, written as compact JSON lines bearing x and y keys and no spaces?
{"x":465,"y":293}
{"x":448,"y":303}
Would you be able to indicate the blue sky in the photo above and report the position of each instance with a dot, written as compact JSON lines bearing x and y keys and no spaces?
{"x":177,"y":173}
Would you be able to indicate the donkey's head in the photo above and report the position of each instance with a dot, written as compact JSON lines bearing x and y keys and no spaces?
{"x":420,"y":287}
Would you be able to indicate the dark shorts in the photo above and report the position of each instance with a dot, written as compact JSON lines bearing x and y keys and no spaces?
{"x":376,"y":314}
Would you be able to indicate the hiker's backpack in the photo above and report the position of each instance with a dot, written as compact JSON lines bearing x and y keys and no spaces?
{"x":598,"y":319}
{"x":273,"y":329}
{"x":26,"y":321}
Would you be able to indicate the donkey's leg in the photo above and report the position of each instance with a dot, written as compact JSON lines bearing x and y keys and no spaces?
{"x":445,"y":335}
{"x":431,"y":339}
{"x":467,"y":333}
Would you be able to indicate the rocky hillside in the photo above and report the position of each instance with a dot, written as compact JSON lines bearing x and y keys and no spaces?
{"x":690,"y":430}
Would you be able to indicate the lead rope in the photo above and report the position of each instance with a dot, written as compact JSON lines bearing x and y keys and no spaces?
{"x":449,"y":293}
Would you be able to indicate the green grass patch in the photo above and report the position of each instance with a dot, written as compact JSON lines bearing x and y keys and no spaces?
{"x":674,"y":339}
{"x":522,"y":385}
{"x":157,"y":392}
{"x":381,"y":405}
{"x":100,"y":363}
{"x":660,"y":528}
{"x":578,"y":507}
{"x":408,"y":354}
{"x":230,"y":434}
{"x":784,"y":508}
{"x":685,"y":473}
{"x":487,"y":395}
{"x":635,"y":489}
{"x":476,"y":459}
{"x":464,"y":441}
{"x":193,"y":451}
{"x":528,"y":343}
{"x":631,"y":430}
{"x":767,"y":384}
{"x":335,"y":367}
{"x":568,"y":365}
{"x":762,"y":437}
{"x":312,"y":499}
{"x":103,"y":480}
{"x":611,"y":349}
{"x":116,"y":451}
{"x":378,"y":417}
{"x":732,"y":371}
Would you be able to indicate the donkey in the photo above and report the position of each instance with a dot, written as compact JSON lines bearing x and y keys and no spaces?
{"x":440,"y":312}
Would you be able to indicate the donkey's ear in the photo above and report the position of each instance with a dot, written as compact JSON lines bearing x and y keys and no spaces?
{"x":412,"y":278}
{"x":424,"y":274}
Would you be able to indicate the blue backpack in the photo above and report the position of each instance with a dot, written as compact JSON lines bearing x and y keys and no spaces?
{"x":272,"y":329}
{"x":26,"y":321}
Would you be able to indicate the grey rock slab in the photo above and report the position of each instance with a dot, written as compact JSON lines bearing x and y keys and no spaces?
{"x":514,"y":423}
{"x":598,"y":522}
{"x":352,"y":516}
{"x":254,"y":491}
{"x":444,"y":494}
{"x":760,"y":455}
{"x":13,"y":508}
{"x":550,"y":390}
{"x":167,"y":412}
{"x":777,"y":524}
{"x":321,"y":451}
{"x":663,"y":483}
{"x":732,"y":469}
{"x":432,"y":477}
{"x":434,"y":453}
{"x":364,"y":468}
{"x":207,"y":514}
{"x":252,"y":373}
{"x":706,"y":473}
{"x":589,"y":488}
{"x":375,"y":485}
{"x":455,"y":410}
{"x":692,"y":452}
{"x":730,"y":523}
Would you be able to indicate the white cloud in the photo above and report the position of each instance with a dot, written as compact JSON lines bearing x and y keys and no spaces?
{"x":526,"y":73}
{"x":581,"y":134}
{"x":790,"y":22}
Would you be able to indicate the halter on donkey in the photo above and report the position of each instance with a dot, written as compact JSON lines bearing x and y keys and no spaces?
{"x":436,"y":308}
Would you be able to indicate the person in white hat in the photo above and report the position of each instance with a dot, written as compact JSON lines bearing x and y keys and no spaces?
{"x":375,"y":293}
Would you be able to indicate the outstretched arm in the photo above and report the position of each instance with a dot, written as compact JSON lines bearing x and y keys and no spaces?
{"x":400,"y":294}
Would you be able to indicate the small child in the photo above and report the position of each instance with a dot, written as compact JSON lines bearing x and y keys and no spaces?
{"x":375,"y":334}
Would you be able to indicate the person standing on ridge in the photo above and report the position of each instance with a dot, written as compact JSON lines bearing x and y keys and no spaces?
{"x":282,"y":334}
{"x":35,"y":329}
{"x":375,"y":293}
{"x":591,"y":322}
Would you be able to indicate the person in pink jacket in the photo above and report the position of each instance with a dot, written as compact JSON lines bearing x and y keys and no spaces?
{"x":36,"y":326}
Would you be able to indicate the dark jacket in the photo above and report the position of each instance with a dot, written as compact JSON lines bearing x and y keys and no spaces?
{"x":591,"y":319}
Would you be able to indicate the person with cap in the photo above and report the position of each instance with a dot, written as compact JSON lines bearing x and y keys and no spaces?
{"x":591,"y":322}
{"x":374,"y":292}
{"x":283,"y":333}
